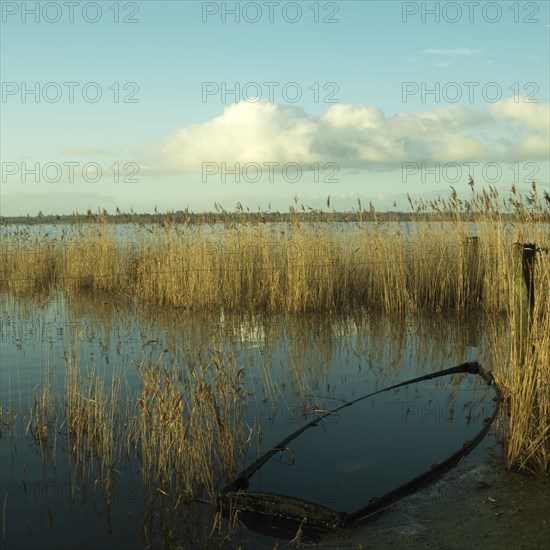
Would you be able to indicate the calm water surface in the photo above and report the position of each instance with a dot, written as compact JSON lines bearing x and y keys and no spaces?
{"x":291,"y":367}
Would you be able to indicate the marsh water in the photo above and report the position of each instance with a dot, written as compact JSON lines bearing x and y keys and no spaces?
{"x":291,"y":367}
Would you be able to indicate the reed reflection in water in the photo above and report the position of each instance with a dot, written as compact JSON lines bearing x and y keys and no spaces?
{"x":138,"y":416}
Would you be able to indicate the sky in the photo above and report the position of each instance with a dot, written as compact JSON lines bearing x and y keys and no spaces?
{"x":185,"y":104}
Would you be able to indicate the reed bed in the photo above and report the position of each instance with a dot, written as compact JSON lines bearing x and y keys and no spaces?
{"x":184,"y":428}
{"x":188,"y":427}
{"x":457,"y":257}
{"x":92,"y":417}
{"x":388,"y":267}
{"x":522,"y":369}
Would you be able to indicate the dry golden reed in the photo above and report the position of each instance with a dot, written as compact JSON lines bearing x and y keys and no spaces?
{"x":385,"y":266}
{"x":455,"y":255}
{"x":185,"y":425}
{"x":188,"y":426}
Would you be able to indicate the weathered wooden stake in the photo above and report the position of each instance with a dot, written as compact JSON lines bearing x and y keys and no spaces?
{"x":524,"y":294}
{"x":473,"y":267}
{"x":474,"y":288}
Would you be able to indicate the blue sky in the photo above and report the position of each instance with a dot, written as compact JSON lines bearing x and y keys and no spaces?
{"x":337,"y":122}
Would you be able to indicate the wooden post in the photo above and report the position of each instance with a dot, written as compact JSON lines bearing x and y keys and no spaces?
{"x":470,"y":287}
{"x":524,"y":296}
{"x":473,"y":266}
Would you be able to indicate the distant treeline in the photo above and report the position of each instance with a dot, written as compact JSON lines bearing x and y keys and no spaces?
{"x":182,"y":217}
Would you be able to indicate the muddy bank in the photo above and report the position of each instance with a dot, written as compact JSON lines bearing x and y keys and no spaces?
{"x":478,"y":504}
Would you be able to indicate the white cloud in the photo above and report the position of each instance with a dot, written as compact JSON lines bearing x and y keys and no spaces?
{"x":531,"y":124}
{"x":244,"y":133}
{"x":358,"y":137}
{"x":524,"y":111}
